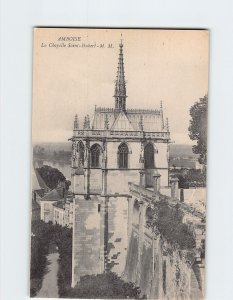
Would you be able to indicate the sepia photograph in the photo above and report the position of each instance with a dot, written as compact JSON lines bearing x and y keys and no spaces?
{"x":119,"y":163}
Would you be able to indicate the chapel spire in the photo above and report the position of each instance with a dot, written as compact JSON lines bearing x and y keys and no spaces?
{"x":120,"y":85}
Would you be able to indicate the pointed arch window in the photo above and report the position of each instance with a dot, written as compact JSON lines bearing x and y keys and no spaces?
{"x":149,"y":156}
{"x":81,"y":151}
{"x":123,"y":156}
{"x":96,"y":156}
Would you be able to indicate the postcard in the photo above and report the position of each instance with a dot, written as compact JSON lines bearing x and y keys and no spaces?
{"x":119,"y":166}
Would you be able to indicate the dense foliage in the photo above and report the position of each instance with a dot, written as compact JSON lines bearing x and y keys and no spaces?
{"x":39,"y":250}
{"x":189,"y":178}
{"x":52,"y":177}
{"x":168,"y":220}
{"x":198,"y":128}
{"x":64,"y":243}
{"x":105,"y":286}
{"x":44,"y":235}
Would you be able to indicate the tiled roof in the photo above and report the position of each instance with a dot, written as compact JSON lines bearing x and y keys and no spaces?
{"x":52,"y":196}
{"x":59,"y":204}
{"x":122,"y":123}
{"x":152,"y":119}
{"x":40,"y":193}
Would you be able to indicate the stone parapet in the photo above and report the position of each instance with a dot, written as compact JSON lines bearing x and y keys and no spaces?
{"x":78,"y":133}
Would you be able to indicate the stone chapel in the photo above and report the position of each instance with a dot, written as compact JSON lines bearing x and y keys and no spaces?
{"x":115,"y":147}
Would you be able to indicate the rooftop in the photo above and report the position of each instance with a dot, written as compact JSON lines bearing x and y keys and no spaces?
{"x":52,"y":196}
{"x":59,"y":204}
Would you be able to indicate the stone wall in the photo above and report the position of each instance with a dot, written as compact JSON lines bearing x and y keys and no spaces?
{"x":100,"y":236}
{"x":88,"y":232}
{"x":117,"y":180}
{"x":117,"y":240}
{"x":159,"y":268}
{"x":161,"y":271}
{"x":47,"y":211}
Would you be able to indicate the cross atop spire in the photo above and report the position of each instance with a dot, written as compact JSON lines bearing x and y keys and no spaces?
{"x":120,"y":85}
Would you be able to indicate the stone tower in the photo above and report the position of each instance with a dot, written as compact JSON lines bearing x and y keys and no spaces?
{"x":108,"y":153}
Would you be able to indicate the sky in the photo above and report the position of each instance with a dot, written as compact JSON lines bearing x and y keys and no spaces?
{"x":160,"y":65}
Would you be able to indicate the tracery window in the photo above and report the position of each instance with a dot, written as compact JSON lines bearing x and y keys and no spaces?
{"x":149,"y":156}
{"x":123,"y":152}
{"x":96,"y":156}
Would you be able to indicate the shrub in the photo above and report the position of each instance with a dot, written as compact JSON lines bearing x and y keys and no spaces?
{"x":169,"y":223}
{"x":45,"y":235}
{"x":105,"y":286}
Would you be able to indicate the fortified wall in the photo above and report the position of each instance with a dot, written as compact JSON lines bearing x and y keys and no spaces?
{"x":162,"y":268}
{"x":100,"y":235}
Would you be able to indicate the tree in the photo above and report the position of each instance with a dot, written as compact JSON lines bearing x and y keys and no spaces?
{"x":198,"y":128}
{"x":45,"y":235}
{"x":52,"y":176}
{"x":107,"y":286}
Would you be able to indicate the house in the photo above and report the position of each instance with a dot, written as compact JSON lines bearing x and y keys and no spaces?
{"x":47,"y":205}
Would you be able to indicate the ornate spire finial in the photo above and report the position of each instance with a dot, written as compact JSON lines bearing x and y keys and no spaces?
{"x":76,"y":122}
{"x":120,"y":86}
{"x":161,"y":105}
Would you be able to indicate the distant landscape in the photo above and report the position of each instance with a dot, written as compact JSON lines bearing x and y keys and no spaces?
{"x":181,"y":150}
{"x":55,"y":152}
{"x":61,"y":152}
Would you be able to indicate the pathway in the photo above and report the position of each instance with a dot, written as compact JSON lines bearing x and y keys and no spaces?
{"x":49,"y":287}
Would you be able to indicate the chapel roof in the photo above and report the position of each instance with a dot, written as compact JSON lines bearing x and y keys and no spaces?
{"x":120,"y":118}
{"x":122,"y":123}
{"x":152,"y":120}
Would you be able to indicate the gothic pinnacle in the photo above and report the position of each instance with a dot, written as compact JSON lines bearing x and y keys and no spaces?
{"x":161,"y":105}
{"x":120,"y":85}
{"x":76,"y":122}
{"x":167,"y":125}
{"x":161,"y":112}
